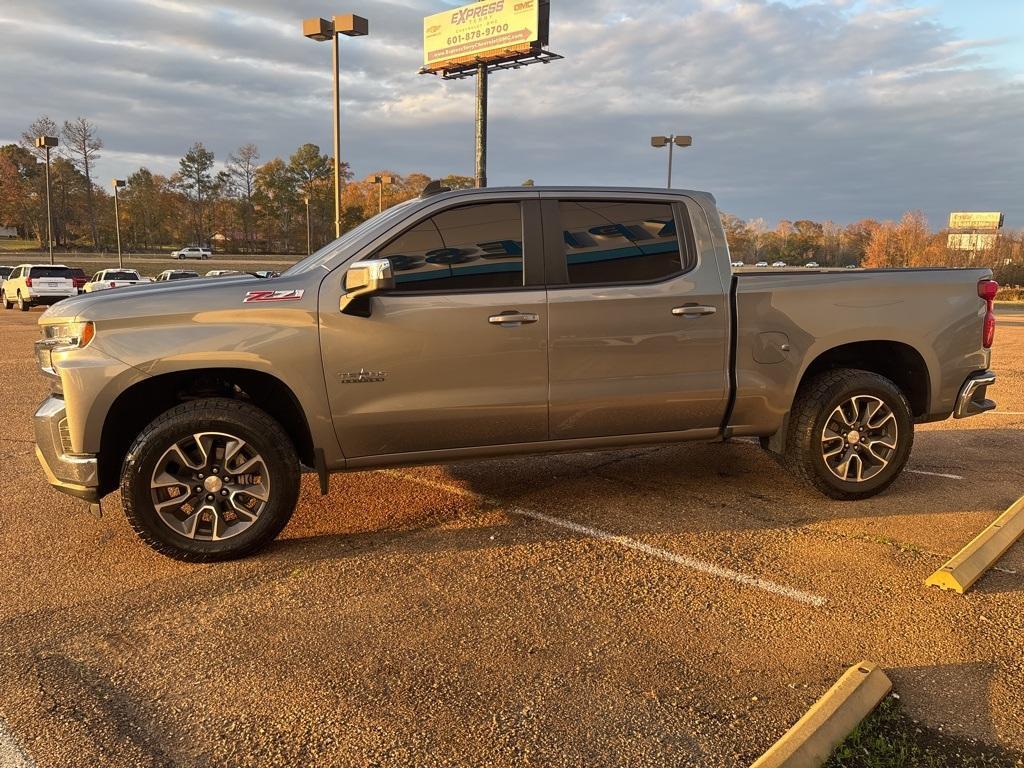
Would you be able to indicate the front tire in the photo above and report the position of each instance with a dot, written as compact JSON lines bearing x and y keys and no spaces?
{"x":209,"y":480}
{"x":7,"y":304}
{"x":850,"y":433}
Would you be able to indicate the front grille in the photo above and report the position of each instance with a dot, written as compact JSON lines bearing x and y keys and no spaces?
{"x":65,"y":436}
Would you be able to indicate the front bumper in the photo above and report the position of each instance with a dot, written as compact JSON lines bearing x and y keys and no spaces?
{"x":73,"y":474}
{"x":972,"y":400}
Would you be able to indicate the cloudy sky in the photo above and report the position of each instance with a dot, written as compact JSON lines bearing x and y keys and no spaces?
{"x":832,"y":109}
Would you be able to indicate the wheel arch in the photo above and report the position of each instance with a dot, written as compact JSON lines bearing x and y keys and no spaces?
{"x":897,"y":361}
{"x":146,"y":399}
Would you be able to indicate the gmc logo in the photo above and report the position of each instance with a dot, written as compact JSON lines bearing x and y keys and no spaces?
{"x":524,"y":6}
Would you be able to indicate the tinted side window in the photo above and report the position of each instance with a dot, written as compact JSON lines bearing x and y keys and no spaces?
{"x":475,"y":247}
{"x":5,"y":272}
{"x":612,"y":242}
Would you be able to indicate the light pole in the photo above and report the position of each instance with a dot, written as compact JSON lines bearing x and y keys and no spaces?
{"x":46,"y":142}
{"x":322,"y":30}
{"x":118,"y":184}
{"x":309,"y":241}
{"x":380,"y":180}
{"x":671,"y":142}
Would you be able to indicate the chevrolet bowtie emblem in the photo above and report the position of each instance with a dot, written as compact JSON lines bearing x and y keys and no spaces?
{"x":363,"y":377}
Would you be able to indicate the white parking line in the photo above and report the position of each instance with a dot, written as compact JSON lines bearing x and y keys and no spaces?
{"x":934,"y":474}
{"x":686,"y":561}
{"x":11,"y":755}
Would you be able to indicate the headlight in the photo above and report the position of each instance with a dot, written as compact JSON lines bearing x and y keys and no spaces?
{"x":63,"y":336}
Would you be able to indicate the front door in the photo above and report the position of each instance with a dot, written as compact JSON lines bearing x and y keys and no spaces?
{"x":638,"y":324}
{"x":455,"y":356}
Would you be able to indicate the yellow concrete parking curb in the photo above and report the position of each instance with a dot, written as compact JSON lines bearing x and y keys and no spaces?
{"x":832,"y":718}
{"x":972,"y":561}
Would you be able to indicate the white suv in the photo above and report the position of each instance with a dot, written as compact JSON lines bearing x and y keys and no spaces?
{"x":192,"y":252}
{"x":31,"y":284}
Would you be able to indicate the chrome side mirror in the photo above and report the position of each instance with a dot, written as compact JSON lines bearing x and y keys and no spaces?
{"x":362,"y":280}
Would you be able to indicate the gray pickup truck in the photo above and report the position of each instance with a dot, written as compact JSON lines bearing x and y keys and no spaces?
{"x":494,"y":322}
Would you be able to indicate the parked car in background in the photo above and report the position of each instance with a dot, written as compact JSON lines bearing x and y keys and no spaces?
{"x":114,"y":278}
{"x":738,"y":264}
{"x":79,"y":278}
{"x":761,"y":264}
{"x":265,"y":274}
{"x":779,"y":264}
{"x":4,"y":272}
{"x":32,"y":284}
{"x":176,"y":274}
{"x":812,"y":265}
{"x":203,"y":401}
{"x":192,"y":252}
{"x":222,"y":272}
{"x":852,"y":266}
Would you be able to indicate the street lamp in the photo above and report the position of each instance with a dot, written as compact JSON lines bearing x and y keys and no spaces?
{"x":118,"y":184}
{"x":380,"y":180}
{"x":671,"y":142}
{"x":309,"y":248}
{"x":323,"y":30}
{"x":46,"y":142}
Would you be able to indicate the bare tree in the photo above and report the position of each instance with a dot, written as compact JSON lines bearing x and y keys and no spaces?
{"x":84,"y":145}
{"x":241,"y":169}
{"x":41,"y":126}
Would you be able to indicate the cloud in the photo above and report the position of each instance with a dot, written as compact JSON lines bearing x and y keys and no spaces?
{"x":824,"y":109}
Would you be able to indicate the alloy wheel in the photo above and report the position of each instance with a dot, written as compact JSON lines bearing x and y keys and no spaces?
{"x":859,"y":438}
{"x":210,"y":486}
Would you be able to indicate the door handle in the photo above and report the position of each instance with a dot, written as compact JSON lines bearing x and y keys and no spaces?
{"x":512,"y":317}
{"x":692,"y":310}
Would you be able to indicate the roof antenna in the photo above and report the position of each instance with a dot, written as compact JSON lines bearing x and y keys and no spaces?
{"x":435,"y":187}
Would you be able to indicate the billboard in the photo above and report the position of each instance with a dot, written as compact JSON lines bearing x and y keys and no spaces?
{"x":972,"y":242}
{"x":976,"y":220}
{"x":483,"y":31}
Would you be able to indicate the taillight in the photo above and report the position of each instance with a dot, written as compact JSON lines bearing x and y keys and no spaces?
{"x":987,"y":290}
{"x":28,"y":282}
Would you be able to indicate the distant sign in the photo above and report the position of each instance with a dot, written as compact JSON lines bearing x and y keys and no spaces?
{"x":482,"y":31}
{"x":984,"y":221}
{"x":972,"y":242}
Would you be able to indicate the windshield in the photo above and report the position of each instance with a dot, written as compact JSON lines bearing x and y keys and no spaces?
{"x":330,"y":250}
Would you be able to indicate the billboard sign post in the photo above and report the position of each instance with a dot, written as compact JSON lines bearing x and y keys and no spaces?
{"x":974,"y":230}
{"x":480,"y":38}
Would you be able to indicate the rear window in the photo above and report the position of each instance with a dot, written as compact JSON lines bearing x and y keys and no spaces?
{"x":122,"y":276}
{"x":182,"y":275}
{"x":50,"y":272}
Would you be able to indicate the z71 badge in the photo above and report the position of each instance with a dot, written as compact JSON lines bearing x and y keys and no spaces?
{"x":258,"y":297}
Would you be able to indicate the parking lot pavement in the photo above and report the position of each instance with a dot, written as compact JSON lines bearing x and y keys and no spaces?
{"x":645,"y":606}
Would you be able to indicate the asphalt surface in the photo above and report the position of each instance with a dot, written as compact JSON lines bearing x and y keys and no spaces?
{"x":678,"y":605}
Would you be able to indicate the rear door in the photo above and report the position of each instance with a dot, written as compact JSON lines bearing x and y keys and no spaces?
{"x":52,"y":281}
{"x":454,"y":357}
{"x":638,"y":318}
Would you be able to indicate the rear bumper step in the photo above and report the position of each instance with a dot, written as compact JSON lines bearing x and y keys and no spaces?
{"x":971,"y":401}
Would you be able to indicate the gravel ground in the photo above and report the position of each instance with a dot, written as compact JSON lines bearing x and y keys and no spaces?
{"x":472,"y":615}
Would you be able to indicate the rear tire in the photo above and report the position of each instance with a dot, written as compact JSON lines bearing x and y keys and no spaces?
{"x":850,"y":433}
{"x":209,"y":480}
{"x":23,"y":305}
